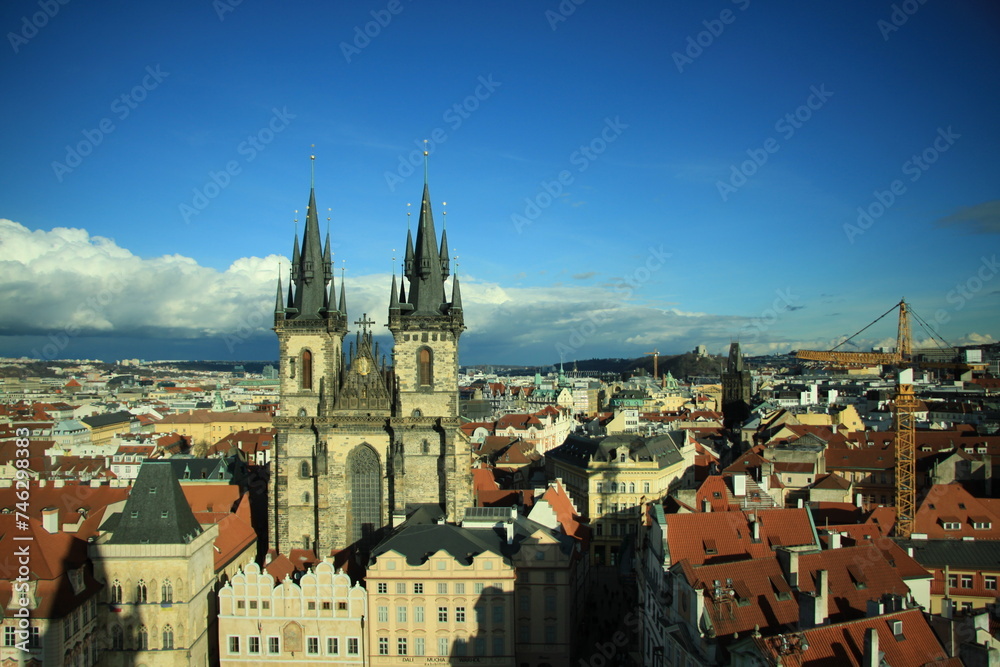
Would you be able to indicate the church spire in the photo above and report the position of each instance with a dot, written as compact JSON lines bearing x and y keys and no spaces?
{"x":278,"y":305}
{"x":456,"y":295}
{"x":343,"y":295}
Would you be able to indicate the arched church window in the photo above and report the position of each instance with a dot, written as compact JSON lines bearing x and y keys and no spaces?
{"x":366,"y":492}
{"x":168,"y":637}
{"x":425,"y":447}
{"x":307,"y":369}
{"x":425,"y":366}
{"x":305,"y":497}
{"x":304,"y":469}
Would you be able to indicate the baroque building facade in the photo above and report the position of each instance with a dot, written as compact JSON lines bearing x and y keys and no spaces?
{"x":358,"y":442}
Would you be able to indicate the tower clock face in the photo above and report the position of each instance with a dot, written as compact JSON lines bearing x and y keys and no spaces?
{"x":362,"y":365}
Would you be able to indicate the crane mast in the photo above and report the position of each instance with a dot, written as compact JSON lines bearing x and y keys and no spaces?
{"x":903,"y":416}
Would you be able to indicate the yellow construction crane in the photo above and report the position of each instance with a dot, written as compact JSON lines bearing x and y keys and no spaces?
{"x":656,"y":356}
{"x":904,"y":420}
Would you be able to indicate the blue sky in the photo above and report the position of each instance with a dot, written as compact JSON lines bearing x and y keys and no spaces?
{"x":618,"y":176}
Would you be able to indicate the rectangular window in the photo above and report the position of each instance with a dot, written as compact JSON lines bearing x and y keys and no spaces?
{"x":418,"y":614}
{"x":478,"y":587}
{"x":645,"y":487}
{"x":524,"y":601}
{"x":480,"y":646}
{"x":383,"y":646}
{"x":459,"y":646}
{"x":459,"y":589}
{"x":480,"y":614}
{"x":550,"y":577}
{"x":383,"y":587}
{"x":274,"y":645}
{"x":240,"y":604}
{"x":401,"y":614}
{"x":383,"y":614}
{"x":460,"y":614}
{"x":311,"y":605}
{"x":498,"y":646}
{"x":333,"y":645}
{"x":234,"y":644}
{"x":401,"y":646}
{"x":550,"y":603}
{"x":253,"y":604}
{"x":524,"y":633}
{"x":966,"y":581}
{"x":442,"y":646}
{"x":418,"y":646}
{"x":327,"y":606}
{"x":253,"y":645}
{"x":952,"y":581}
{"x":341,"y":606}
{"x":312,"y":645}
{"x":550,"y":634}
{"x":352,"y":646}
{"x":600,"y":487}
{"x":400,"y":588}
{"x":498,"y":614}
{"x":442,"y":614}
{"x":418,"y":588}
{"x":991,"y":583}
{"x":442,"y":589}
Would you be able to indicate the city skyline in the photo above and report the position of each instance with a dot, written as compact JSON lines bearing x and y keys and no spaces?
{"x":618,"y":178}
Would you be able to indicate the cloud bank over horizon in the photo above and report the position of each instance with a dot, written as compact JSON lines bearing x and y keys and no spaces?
{"x":65,"y":293}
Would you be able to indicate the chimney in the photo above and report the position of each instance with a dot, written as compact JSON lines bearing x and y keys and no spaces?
{"x":789,"y":561}
{"x":812,"y":604}
{"x":835,"y":540}
{"x":739,"y":485}
{"x":874,"y":608}
{"x":872,"y":658}
{"x":50,"y":520}
{"x":858,"y":501}
{"x":755,"y":529}
{"x":802,"y":503}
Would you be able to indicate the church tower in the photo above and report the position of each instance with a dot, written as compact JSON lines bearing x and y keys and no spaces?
{"x":356,"y":442}
{"x":736,"y":389}
{"x":426,"y":326}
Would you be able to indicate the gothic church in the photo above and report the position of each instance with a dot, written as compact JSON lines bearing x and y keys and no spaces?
{"x":357,"y":442}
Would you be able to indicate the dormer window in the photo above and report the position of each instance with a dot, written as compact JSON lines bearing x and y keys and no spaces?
{"x":952,"y":525}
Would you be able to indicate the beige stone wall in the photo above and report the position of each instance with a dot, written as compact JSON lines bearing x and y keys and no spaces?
{"x":190,"y":571}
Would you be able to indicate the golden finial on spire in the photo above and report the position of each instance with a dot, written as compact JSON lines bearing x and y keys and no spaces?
{"x":408,"y":213}
{"x":426,"y":153}
{"x":444,"y":213}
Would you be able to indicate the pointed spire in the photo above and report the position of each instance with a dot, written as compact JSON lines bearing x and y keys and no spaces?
{"x":445,"y":270}
{"x":291,"y":296}
{"x":456,"y":295}
{"x":278,"y":307}
{"x":393,"y":295}
{"x":343,"y":294}
{"x":408,"y":258}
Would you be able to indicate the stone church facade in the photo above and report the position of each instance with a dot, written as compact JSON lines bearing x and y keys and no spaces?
{"x":358,"y":442}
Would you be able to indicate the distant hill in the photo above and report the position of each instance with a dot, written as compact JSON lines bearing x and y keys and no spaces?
{"x":681,"y":366}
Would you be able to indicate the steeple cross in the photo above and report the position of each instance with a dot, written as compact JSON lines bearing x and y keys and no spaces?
{"x":364,"y":322}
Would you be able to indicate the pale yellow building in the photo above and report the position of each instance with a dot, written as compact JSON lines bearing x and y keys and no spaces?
{"x":319,"y":619}
{"x":612,"y":478}
{"x":205,"y":427}
{"x":440,"y":593}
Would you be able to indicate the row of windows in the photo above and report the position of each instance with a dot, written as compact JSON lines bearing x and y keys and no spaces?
{"x":142,"y":592}
{"x":10,"y":637}
{"x":442,"y":587}
{"x":989,"y":581}
{"x":140,"y":642}
{"x":445,"y":647}
{"x":443,"y":614}
{"x":351,"y":646}
{"x":620,"y":487}
{"x":79,"y":617}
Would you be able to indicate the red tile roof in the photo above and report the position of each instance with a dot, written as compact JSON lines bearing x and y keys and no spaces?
{"x":951,"y":502}
{"x":855,"y":575}
{"x":843,"y":644}
{"x":732,"y":534}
